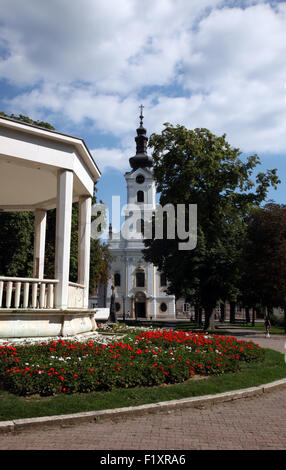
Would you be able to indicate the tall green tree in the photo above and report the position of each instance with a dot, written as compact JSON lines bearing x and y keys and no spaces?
{"x":197,"y":167}
{"x":263,"y":261}
{"x":16,"y":243}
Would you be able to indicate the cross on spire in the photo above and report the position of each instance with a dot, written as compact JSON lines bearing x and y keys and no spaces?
{"x":141,"y":159}
{"x":141,"y":115}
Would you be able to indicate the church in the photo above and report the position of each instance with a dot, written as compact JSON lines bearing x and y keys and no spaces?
{"x":139,"y":288}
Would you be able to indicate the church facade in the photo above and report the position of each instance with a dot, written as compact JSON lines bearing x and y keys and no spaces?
{"x":139,"y":288}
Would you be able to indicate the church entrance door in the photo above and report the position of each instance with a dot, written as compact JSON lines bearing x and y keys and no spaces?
{"x":140,"y":305}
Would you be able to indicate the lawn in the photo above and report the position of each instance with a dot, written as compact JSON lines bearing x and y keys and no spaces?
{"x":274,"y":330}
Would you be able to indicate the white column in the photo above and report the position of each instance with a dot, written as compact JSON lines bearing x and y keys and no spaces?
{"x":124,"y":276}
{"x":150,"y":274}
{"x":39,"y":243}
{"x":26,"y":294}
{"x":155,"y":291}
{"x":108,"y":292}
{"x":84,"y":228}
{"x":17,"y":294}
{"x":130,"y":275}
{"x":63,"y":236}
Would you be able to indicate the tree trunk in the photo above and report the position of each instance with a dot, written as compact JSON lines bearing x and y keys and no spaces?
{"x":232,"y":312}
{"x":197,"y":315}
{"x":104,"y":295}
{"x":209,"y":319}
{"x":222,"y":312}
{"x":247,"y":315}
{"x":253,"y":316}
{"x":200,"y":316}
{"x":270,"y":314}
{"x":284,"y":308}
{"x":112,"y":312}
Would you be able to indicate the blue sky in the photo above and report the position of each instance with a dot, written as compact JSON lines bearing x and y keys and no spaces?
{"x":86,"y":66}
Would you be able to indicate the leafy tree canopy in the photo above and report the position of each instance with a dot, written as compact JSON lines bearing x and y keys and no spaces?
{"x":264,"y":256}
{"x":27,"y":120}
{"x":197,"y":167}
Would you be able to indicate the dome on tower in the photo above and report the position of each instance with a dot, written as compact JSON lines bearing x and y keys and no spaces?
{"x":141,"y":159}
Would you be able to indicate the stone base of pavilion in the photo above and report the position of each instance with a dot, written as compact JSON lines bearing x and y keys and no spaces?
{"x":33,"y":323}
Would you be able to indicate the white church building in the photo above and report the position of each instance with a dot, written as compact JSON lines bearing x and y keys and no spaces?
{"x":139,"y":288}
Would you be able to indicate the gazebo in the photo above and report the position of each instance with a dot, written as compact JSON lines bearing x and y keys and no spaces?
{"x":41,"y":169}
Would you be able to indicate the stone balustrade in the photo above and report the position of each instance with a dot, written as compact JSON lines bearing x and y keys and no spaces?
{"x":26,"y":293}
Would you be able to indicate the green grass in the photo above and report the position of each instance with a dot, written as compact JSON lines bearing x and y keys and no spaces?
{"x":252,"y":374}
{"x":221,"y":328}
{"x":180,"y":326}
{"x":274,"y":330}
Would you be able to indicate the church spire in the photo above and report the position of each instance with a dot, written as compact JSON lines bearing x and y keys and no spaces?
{"x":141,"y":115}
{"x":141,"y":159}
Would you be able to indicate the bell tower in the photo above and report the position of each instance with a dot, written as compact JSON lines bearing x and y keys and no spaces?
{"x":138,"y":290}
{"x":141,"y":190}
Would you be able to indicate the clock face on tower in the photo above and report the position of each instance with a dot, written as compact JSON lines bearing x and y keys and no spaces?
{"x":140,"y":179}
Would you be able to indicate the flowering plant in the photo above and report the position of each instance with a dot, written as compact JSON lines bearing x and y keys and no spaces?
{"x":152,"y":358}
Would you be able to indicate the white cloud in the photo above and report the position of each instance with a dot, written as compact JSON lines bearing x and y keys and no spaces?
{"x":205,"y":63}
{"x":112,"y":158}
{"x":233,"y":42}
{"x":118,"y":45}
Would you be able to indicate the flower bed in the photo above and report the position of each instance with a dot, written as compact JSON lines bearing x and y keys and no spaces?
{"x":152,"y":358}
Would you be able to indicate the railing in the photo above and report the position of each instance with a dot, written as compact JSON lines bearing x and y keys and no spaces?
{"x":17,"y":292}
{"x":76,"y":295}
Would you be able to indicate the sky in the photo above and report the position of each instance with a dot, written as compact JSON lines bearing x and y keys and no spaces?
{"x":86,"y":66}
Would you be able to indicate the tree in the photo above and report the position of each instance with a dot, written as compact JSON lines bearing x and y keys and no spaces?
{"x":16,"y":243}
{"x":100,"y":258}
{"x":27,"y":120}
{"x":263,"y":260}
{"x":197,"y":167}
{"x":112,"y":309}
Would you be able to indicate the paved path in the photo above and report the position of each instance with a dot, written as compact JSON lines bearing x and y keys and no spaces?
{"x":256,"y":423}
{"x":276,"y":342}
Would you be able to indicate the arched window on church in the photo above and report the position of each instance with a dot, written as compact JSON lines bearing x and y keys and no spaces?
{"x":140,"y":196}
{"x":140,"y":279}
{"x":117,"y":279}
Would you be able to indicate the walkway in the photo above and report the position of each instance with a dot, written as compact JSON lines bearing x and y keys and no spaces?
{"x":257,"y":423}
{"x":276,"y":342}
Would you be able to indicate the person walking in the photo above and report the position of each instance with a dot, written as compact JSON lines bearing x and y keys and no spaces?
{"x":267,"y":327}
